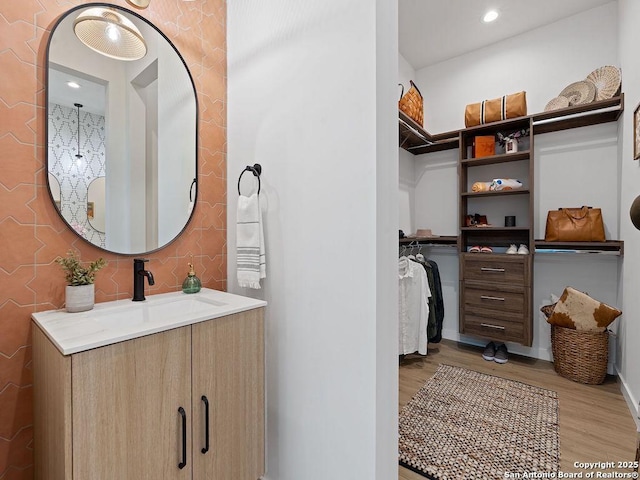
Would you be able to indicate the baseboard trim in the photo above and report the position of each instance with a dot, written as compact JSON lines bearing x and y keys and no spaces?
{"x":632,"y":402}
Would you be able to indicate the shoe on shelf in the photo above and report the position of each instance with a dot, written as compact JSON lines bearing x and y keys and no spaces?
{"x":474,"y":249}
{"x":512,"y":249}
{"x":489,"y":352}
{"x":486,"y":250}
{"x":523,"y":250}
{"x":502,"y":354}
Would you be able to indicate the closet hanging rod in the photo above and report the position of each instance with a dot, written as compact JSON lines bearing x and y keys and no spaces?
{"x":574,"y":115}
{"x":256,"y":169}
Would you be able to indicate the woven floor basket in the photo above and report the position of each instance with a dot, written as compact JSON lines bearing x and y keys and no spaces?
{"x":580,"y":356}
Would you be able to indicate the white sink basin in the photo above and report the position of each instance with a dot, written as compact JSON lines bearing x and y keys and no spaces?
{"x":112,"y":322}
{"x":153,"y":311}
{"x":118,"y":318}
{"x":185,"y":306}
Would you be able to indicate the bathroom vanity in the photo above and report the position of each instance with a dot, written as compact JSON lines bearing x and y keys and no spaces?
{"x":168,"y":388}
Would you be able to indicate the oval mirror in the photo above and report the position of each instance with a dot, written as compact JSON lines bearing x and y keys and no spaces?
{"x":121,"y":107}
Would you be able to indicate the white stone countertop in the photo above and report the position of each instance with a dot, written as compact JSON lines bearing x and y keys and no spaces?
{"x":120,"y":320}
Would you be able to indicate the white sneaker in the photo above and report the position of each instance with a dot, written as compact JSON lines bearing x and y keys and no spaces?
{"x":523,"y":250}
{"x":512,"y":249}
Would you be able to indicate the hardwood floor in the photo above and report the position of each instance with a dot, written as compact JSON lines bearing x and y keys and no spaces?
{"x":595,"y":422}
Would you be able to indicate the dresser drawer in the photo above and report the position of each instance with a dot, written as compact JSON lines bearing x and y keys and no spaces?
{"x":505,"y":298}
{"x":493,"y":328}
{"x":495,"y":268}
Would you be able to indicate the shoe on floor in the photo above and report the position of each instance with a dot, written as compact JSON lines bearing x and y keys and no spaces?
{"x":512,"y":249}
{"x":502,"y":354}
{"x":489,"y":352}
{"x":523,"y":250}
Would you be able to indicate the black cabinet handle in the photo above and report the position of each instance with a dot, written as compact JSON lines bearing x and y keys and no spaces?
{"x":205,"y":400}
{"x":183,"y":414}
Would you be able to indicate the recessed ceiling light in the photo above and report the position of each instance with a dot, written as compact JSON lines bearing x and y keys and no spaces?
{"x":73,"y":85}
{"x":490,"y":16}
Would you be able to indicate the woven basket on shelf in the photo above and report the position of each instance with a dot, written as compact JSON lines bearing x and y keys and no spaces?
{"x":580,"y":356}
{"x":411,"y":103}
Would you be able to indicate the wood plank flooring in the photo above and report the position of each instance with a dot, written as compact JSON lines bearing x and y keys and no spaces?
{"x":595,"y":422}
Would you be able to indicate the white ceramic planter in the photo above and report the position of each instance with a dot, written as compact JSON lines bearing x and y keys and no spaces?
{"x":79,"y":298}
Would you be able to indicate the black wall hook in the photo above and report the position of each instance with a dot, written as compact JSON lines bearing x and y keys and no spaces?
{"x":256,"y":169}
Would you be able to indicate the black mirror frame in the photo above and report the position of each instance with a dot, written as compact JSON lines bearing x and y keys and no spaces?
{"x":46,"y":130}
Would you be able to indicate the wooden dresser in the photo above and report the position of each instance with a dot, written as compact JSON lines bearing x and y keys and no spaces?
{"x":495,"y":296}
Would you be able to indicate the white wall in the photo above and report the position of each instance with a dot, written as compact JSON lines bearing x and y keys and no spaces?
{"x":406,"y":193}
{"x":542,"y":62}
{"x":312,"y":98}
{"x":573,"y":168}
{"x":629,"y":332}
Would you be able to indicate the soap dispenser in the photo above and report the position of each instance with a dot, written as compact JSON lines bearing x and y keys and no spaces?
{"x":191,"y":284}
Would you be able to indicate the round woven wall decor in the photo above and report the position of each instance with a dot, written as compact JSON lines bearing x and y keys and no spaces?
{"x":607,"y":81}
{"x":556,"y":103}
{"x":579,"y":93}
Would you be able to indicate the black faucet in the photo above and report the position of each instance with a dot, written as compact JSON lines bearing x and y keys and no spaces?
{"x":138,"y":278}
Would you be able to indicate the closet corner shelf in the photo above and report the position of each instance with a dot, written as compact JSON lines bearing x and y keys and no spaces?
{"x":440,"y":240}
{"x":416,"y":140}
{"x":494,"y":193}
{"x":609,"y":247}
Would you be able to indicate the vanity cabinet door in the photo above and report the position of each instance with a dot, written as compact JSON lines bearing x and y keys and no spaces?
{"x":126,"y":396}
{"x":228,"y":369}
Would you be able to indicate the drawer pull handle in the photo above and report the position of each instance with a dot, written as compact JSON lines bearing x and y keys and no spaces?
{"x":489,"y":297}
{"x":497,"y":327}
{"x":489,"y":269}
{"x":183,"y":414}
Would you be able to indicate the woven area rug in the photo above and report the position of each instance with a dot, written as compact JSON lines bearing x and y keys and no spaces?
{"x":467,"y":425}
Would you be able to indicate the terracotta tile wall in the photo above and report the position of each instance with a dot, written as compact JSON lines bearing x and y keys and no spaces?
{"x":31,"y":233}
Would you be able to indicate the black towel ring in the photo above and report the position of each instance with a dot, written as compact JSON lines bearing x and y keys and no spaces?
{"x":256,"y":169}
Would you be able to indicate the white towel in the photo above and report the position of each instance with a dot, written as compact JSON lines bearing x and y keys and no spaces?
{"x":250,"y":242}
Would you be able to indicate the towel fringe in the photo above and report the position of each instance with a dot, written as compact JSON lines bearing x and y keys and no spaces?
{"x":248,"y":284}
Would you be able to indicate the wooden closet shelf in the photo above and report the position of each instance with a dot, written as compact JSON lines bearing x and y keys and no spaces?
{"x":494,"y":229}
{"x":593,"y":113}
{"x":615,"y":247}
{"x":440,"y":240}
{"x":494,"y":193}
{"x":500,"y":158}
{"x":416,"y":140}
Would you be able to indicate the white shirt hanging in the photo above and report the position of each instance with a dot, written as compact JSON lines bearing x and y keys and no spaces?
{"x":413,"y":302}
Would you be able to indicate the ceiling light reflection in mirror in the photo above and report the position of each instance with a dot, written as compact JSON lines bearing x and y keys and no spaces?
{"x":110,"y":33}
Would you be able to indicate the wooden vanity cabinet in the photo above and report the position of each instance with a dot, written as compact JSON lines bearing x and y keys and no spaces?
{"x":228,"y":369}
{"x":113,"y":412}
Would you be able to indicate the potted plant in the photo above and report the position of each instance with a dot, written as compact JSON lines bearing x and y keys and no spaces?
{"x":80,"y":293}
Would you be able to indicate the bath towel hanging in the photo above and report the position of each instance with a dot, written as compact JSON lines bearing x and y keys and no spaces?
{"x":251,"y":258}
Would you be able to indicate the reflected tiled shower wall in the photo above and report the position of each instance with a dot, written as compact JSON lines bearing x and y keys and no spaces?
{"x":74,"y":175}
{"x":31,"y":233}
